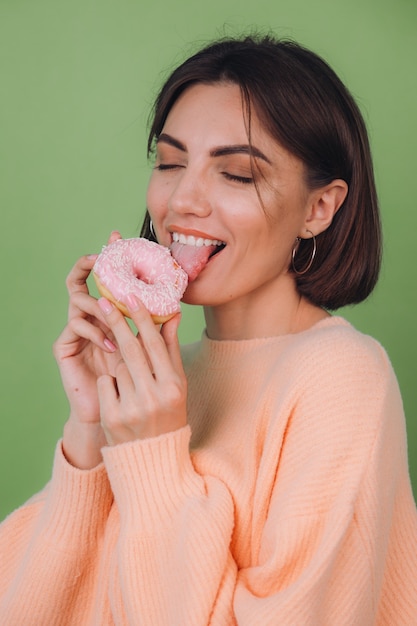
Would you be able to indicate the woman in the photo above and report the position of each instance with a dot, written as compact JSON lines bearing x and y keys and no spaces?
{"x":259,"y":476}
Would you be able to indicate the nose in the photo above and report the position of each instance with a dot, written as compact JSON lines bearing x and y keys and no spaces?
{"x":190,"y":194}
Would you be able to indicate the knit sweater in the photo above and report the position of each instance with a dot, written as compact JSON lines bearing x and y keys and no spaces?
{"x":286,"y":501}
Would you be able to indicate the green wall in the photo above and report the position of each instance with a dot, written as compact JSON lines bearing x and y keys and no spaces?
{"x":78,"y":80}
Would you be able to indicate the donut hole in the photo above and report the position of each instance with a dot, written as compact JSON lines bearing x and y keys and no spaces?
{"x":142,"y":277}
{"x":145,"y":275}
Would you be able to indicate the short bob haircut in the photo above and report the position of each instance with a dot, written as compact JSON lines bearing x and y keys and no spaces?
{"x":305,"y":107}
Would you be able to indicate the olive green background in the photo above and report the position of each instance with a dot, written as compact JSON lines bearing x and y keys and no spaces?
{"x":77,"y":80}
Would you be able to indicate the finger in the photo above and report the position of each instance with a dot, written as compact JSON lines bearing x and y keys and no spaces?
{"x":169,"y":332}
{"x":152,"y":340}
{"x":131,"y":349}
{"x":118,"y":411}
{"x":114,"y":236}
{"x":108,"y":400}
{"x":125,"y":386}
{"x":82,"y":328}
{"x":77,"y":278}
{"x":84,"y":305}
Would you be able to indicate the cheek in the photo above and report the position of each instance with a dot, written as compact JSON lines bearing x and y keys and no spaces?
{"x":156,"y":200}
{"x":151,"y":193}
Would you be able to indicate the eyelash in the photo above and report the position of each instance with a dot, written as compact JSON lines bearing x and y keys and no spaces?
{"x":165,"y":166}
{"x":244,"y":180}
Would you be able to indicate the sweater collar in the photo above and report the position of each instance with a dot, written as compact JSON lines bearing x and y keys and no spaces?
{"x":222,"y":353}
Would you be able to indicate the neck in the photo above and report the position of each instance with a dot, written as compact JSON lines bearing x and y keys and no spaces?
{"x":256,"y":317}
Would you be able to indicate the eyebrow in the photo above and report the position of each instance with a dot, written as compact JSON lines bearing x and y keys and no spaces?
{"x":219,"y":151}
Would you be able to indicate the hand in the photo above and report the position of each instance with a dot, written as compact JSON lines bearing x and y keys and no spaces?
{"x":84,"y":351}
{"x":147,"y":394}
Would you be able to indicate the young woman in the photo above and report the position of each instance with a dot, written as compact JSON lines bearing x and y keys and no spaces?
{"x":258,"y":477}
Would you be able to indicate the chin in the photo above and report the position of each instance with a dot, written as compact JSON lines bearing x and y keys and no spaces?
{"x":194,"y":299}
{"x":197,"y":295}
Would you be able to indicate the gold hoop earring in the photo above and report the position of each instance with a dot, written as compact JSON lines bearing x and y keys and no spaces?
{"x":313,"y":254}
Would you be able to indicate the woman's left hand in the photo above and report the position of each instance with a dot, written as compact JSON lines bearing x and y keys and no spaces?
{"x":148,"y":395}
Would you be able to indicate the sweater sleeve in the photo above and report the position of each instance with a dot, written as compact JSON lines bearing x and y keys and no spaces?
{"x":322,"y":542}
{"x":175,"y":530}
{"x":48,"y":547}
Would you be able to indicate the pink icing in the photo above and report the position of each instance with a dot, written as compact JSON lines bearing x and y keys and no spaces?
{"x":145,"y":269}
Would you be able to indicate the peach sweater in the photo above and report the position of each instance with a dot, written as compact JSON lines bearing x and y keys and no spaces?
{"x":291,"y":506}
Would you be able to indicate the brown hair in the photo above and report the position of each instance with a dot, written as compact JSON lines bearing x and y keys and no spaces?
{"x":303,"y":105}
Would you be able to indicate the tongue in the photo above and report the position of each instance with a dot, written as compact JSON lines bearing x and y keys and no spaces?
{"x":191,"y":258}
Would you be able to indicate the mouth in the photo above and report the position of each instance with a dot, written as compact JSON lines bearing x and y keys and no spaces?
{"x":199,"y":242}
{"x":193,"y":252}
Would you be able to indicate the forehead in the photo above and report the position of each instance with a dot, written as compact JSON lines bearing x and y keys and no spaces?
{"x":214,"y":108}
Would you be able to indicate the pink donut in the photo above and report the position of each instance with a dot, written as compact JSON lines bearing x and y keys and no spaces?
{"x":143,"y":268}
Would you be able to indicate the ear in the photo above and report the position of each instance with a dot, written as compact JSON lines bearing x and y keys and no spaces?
{"x":324,"y":204}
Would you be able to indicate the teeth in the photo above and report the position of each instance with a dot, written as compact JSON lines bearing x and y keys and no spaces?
{"x":190,"y":240}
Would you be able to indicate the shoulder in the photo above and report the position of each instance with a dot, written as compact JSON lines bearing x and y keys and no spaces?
{"x":345,"y":383}
{"x":343,"y":378}
{"x":334,"y":347}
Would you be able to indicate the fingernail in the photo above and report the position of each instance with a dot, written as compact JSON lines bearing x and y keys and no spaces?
{"x":110,"y":345}
{"x":105,"y":305}
{"x":92,"y":257}
{"x":132,"y":302}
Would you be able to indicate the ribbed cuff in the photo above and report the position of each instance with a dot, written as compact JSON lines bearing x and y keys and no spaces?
{"x":150,"y":478}
{"x":78,"y":501}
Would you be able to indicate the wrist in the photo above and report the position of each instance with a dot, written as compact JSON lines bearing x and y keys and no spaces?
{"x":82,"y":443}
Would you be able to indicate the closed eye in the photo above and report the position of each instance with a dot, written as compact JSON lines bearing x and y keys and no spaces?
{"x":166,"y":166}
{"x":246,"y":180}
